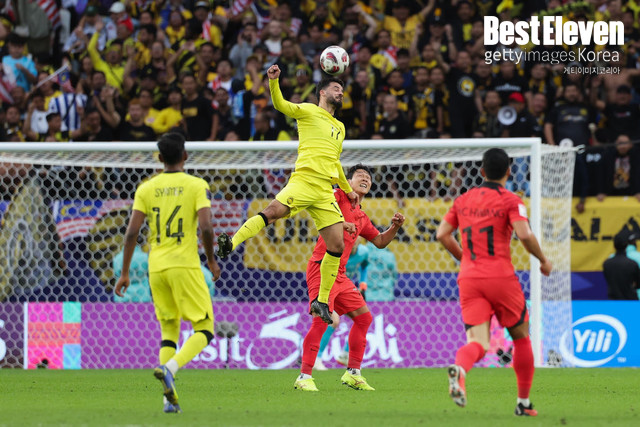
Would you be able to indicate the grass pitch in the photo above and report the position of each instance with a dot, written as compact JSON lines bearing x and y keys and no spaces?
{"x":404,"y":397}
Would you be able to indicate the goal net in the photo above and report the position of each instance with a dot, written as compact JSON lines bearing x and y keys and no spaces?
{"x":65,"y":208}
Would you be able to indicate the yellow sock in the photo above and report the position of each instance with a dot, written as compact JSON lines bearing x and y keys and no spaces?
{"x":170,"y":332}
{"x":328,"y":272}
{"x":249,"y":229}
{"x":166,"y":353}
{"x":194,"y":345}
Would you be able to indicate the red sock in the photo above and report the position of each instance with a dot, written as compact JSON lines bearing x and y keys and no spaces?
{"x":358,"y":339}
{"x":523,"y":365}
{"x":311,"y":345}
{"x":469,"y":354}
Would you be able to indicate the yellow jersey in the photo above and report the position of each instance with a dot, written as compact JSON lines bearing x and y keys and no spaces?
{"x":321,"y":136}
{"x":171,"y":202}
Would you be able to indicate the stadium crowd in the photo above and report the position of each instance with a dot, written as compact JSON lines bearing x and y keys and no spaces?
{"x":132,"y":70}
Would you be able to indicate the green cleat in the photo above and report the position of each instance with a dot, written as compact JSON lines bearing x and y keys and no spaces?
{"x":305,"y":385}
{"x":356,"y":382}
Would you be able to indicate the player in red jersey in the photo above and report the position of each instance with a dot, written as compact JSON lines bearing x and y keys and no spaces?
{"x":344,"y":297}
{"x":487,"y":216}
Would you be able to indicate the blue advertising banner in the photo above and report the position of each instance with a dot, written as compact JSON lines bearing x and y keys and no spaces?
{"x":603,"y":334}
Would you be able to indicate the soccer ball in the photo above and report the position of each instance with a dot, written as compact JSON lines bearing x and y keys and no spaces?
{"x":334,"y":60}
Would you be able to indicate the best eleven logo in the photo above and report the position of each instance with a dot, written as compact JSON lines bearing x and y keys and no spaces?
{"x":53,"y":339}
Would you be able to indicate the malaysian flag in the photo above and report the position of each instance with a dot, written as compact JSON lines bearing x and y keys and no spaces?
{"x":64,"y":80}
{"x":51,"y":9}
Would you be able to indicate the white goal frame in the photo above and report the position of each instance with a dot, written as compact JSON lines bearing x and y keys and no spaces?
{"x":532,"y":146}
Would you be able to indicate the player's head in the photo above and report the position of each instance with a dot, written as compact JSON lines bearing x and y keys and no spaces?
{"x":171,"y":146}
{"x":330,"y":89}
{"x":621,"y":240}
{"x":360,"y":178}
{"x":495,"y":164}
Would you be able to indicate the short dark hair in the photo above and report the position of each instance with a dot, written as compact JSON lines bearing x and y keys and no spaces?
{"x":171,"y":146}
{"x":495,"y":162}
{"x":150,"y":28}
{"x":51,"y":116}
{"x":621,"y":241}
{"x":357,"y":167}
{"x":325,"y":82}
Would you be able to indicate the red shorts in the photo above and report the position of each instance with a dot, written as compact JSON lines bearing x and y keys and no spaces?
{"x":344,"y":296}
{"x":480,"y":298}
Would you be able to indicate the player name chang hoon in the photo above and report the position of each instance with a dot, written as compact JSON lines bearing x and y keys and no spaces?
{"x":552,"y":31}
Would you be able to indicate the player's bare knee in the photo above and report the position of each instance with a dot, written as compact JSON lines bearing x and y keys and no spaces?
{"x":336,"y":320}
{"x":274,"y":211}
{"x":519,"y":331}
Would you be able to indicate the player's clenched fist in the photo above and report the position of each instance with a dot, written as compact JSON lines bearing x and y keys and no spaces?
{"x":398,"y":219}
{"x":273,"y":72}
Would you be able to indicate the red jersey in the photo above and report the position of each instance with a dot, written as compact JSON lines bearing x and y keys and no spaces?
{"x":485,"y":216}
{"x":364,"y":228}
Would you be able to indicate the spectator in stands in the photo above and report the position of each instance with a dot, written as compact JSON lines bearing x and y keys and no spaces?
{"x":437,"y":104}
{"x":304,"y":86}
{"x":402,"y":25}
{"x":91,"y":128}
{"x":621,"y":117}
{"x":54,"y":132}
{"x":70,"y":106}
{"x":78,"y":40}
{"x":288,"y":61}
{"x":538,"y":109}
{"x":18,"y":69}
{"x":462,"y":87}
{"x":395,"y":82}
{"x":222,"y":118}
{"x":112,"y":67}
{"x":525,"y":122}
{"x":508,"y":81}
{"x":146,"y":102}
{"x":540,"y":83}
{"x":619,"y":171}
{"x":170,"y":116}
{"x":197,"y":111}
{"x":12,"y":126}
{"x":36,"y":118}
{"x":272,"y":37}
{"x":263,"y":131}
{"x":135,"y":129}
{"x":418,"y":102}
{"x":487,"y":124}
{"x":243,"y":49}
{"x":568,"y":123}
{"x":394,"y":125}
{"x":316,"y":43}
{"x":622,"y":274}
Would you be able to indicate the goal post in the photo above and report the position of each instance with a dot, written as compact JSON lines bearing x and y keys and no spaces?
{"x":420,"y":177}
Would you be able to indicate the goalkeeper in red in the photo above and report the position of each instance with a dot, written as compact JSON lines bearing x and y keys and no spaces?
{"x":486,"y":217}
{"x":174,"y":204}
{"x":310,"y":186}
{"x":344,"y":296}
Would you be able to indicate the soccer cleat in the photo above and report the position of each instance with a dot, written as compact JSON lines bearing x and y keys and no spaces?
{"x":319,"y":366}
{"x":225,"y":247}
{"x":172,"y":409}
{"x":356,"y":382}
{"x":322,"y":310}
{"x":166,"y":378}
{"x":456,"y":385}
{"x":343,"y":358}
{"x":305,"y":385}
{"x":525,"y":411}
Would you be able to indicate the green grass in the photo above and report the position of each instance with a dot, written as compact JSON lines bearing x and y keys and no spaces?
{"x":404,"y":397}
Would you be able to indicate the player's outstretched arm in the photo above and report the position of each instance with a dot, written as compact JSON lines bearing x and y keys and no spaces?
{"x":530,"y":243}
{"x":445,"y":236}
{"x":130,"y":238}
{"x":382,"y":240}
{"x":285,"y":107}
{"x":206,"y":234}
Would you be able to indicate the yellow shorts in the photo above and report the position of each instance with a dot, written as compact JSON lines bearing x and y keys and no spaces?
{"x":316,"y":196}
{"x":181,"y":293}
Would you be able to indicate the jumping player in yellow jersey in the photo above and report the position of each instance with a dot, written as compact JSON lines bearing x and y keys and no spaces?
{"x":175,"y":203}
{"x":310,"y":185}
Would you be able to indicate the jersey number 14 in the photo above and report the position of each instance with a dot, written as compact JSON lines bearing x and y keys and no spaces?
{"x":178,"y":234}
